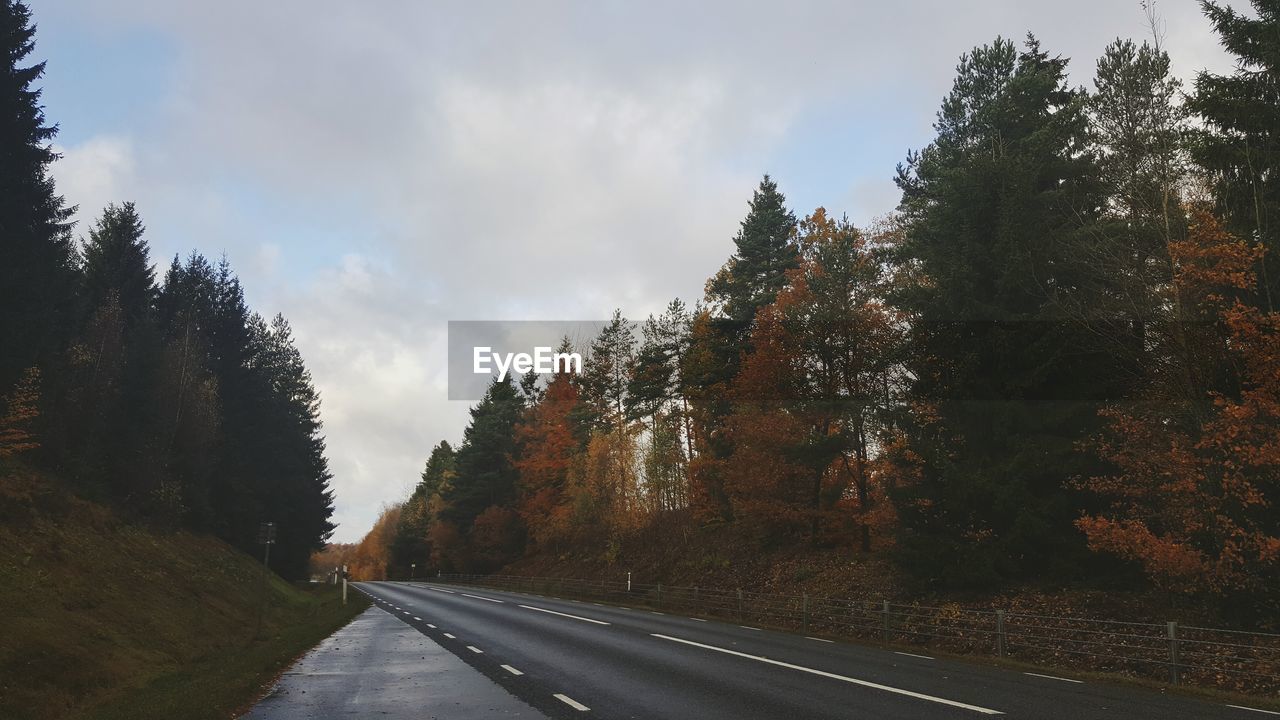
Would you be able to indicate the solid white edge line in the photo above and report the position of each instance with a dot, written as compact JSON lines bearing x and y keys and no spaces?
{"x":479,"y":597}
{"x":808,"y":637}
{"x":451,"y":637}
{"x":475,"y":649}
{"x":1054,"y":677}
{"x":833,"y":676}
{"x":571,"y":702}
{"x":922,"y":657}
{"x":511,"y":670}
{"x":575,"y":617}
{"x":1257,"y":710}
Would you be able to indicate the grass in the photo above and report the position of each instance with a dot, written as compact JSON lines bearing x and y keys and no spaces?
{"x":106,"y":619}
{"x":228,"y":680}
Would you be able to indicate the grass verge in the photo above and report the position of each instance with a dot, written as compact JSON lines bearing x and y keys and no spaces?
{"x":227,"y":681}
{"x":108,"y":619}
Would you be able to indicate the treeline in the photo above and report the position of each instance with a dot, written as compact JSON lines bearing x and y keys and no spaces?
{"x":1060,"y":356}
{"x":172,"y":400}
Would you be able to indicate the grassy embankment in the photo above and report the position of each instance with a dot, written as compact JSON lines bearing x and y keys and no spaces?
{"x":106,"y":619}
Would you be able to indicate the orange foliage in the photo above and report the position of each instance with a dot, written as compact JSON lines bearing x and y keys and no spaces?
{"x":20,"y":411}
{"x":766,"y":482}
{"x":373,"y":554}
{"x":1193,"y":502}
{"x":497,"y":536}
{"x":547,"y":451}
{"x":448,"y":546}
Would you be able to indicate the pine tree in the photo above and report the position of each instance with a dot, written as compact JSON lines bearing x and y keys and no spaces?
{"x":1006,"y":379}
{"x":36,"y":254}
{"x":1137,"y":131}
{"x":765,"y":251}
{"x":656,"y":397}
{"x":1240,"y":147}
{"x":485,"y":474}
{"x":411,"y":544}
{"x":289,"y":467}
{"x":117,"y":263}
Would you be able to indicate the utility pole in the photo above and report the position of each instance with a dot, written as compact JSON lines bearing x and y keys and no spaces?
{"x":266,"y":538}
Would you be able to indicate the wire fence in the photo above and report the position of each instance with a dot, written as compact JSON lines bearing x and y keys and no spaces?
{"x":1210,"y":657}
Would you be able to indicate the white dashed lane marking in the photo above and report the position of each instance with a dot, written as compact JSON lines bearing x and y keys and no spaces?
{"x":571,"y":702}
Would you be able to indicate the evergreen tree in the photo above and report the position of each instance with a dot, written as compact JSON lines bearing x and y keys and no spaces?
{"x":605,"y":377}
{"x":485,"y":474}
{"x":1137,"y":132}
{"x":1240,"y":145}
{"x":291,"y":472}
{"x":1007,"y":378}
{"x":36,"y":254}
{"x":411,"y":543}
{"x":117,"y":263}
{"x":765,"y":251}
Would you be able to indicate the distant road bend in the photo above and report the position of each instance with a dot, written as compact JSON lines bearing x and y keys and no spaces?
{"x":571,"y":659}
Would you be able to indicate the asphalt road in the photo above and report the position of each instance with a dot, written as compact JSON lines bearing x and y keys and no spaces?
{"x":573,"y":659}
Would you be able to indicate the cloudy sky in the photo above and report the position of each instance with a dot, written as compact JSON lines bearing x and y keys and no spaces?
{"x":376,"y":169}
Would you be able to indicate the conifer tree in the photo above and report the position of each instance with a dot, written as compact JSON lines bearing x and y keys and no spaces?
{"x":36,"y":254}
{"x":1240,"y":147}
{"x":485,"y":474}
{"x":1006,"y":379}
{"x":117,"y":262}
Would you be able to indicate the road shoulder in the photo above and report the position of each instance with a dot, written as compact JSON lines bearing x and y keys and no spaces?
{"x":379,"y":666}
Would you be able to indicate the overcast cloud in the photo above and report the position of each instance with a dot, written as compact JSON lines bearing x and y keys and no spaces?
{"x":374,"y":170}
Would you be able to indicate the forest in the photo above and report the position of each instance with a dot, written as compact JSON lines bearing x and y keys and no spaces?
{"x":169,"y":399}
{"x":1056,"y":361}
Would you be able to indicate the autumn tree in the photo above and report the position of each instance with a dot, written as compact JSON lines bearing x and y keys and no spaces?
{"x":371,"y":559}
{"x":549,"y":442}
{"x":812,"y":392}
{"x":612,"y":442}
{"x":765,"y":250}
{"x":20,"y":408}
{"x":1196,"y":474}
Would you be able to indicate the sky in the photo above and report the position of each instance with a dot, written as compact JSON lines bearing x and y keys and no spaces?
{"x":374,"y":170}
